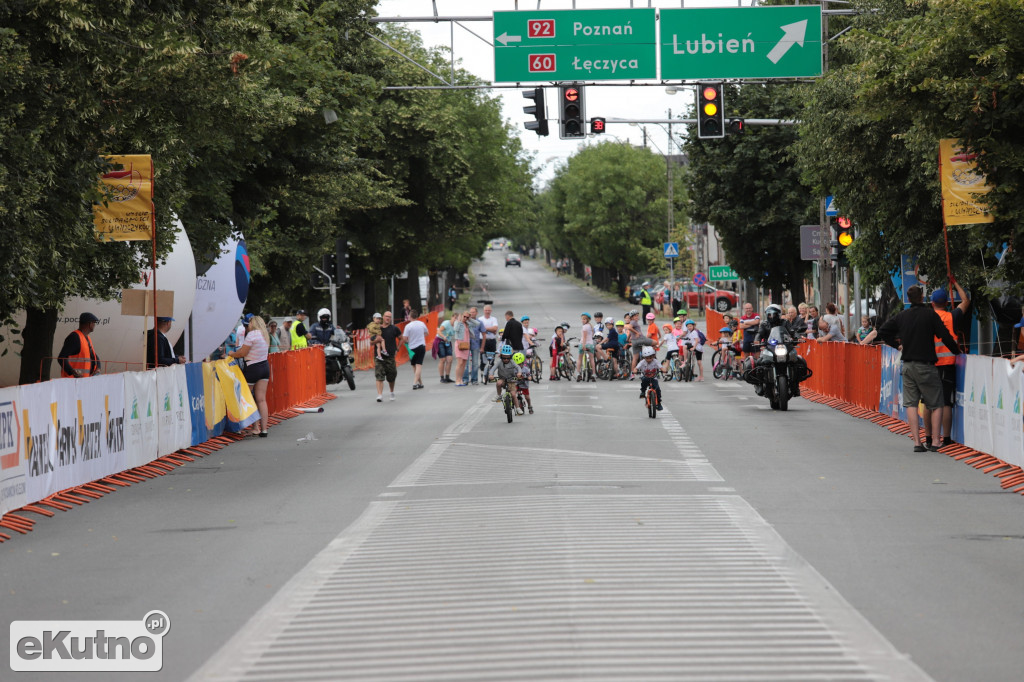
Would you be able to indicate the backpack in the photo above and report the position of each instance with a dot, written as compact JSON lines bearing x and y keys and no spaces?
{"x":700,"y":337}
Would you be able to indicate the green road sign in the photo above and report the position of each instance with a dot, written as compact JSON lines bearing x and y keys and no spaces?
{"x":721,"y":273}
{"x":741,"y":42}
{"x":575,"y":45}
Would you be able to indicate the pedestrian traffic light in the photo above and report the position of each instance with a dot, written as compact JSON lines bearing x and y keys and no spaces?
{"x":710,"y":111}
{"x":843,"y":237}
{"x":341,"y":268}
{"x":572,"y":112}
{"x":597,"y":126}
{"x":539,"y":112}
{"x":737,"y":126}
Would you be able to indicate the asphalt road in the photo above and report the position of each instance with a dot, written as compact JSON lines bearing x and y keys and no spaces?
{"x":427,"y":539}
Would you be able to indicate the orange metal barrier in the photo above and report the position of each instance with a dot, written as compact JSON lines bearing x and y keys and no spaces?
{"x":363,"y":352}
{"x":715,"y":322}
{"x":295,"y":377}
{"x":846,"y":371}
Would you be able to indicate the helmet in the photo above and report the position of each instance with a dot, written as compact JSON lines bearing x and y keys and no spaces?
{"x":725,"y":330}
{"x":650,"y":316}
{"x":620,"y":323}
{"x":677,"y":319}
{"x":565,"y":326}
{"x":632,"y":312}
{"x":524,"y":318}
{"x":773,"y":314}
{"x":519,"y":358}
{"x":323,"y":312}
{"x":682,"y":312}
{"x":506,"y":349}
{"x":689,"y":322}
{"x":647,"y":352}
{"x":666,"y":327}
{"x":598,"y":335}
{"x":586,"y":315}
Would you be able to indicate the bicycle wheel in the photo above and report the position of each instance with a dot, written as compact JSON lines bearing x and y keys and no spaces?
{"x":719,"y":368}
{"x":687,"y":372}
{"x":652,"y":403}
{"x":536,"y":368}
{"x":506,"y":401}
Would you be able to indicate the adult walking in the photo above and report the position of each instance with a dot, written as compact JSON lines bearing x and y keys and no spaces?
{"x":77,"y":357}
{"x":254,"y":348}
{"x":163,"y":354}
{"x":415,"y":336}
{"x":914,"y":331}
{"x":946,"y":362}
{"x":384,"y":366}
{"x":463,"y":346}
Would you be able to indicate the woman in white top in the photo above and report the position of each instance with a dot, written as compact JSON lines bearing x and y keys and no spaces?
{"x":257,"y":370}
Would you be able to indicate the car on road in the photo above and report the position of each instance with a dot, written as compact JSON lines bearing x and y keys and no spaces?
{"x":722,"y":299}
{"x":513,"y":259}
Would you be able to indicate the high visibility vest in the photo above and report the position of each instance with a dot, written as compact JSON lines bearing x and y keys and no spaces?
{"x":645,"y":297}
{"x":945,"y":357}
{"x":297,"y":341}
{"x":83,"y":361}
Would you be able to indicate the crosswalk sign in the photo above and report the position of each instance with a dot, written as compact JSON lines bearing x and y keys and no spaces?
{"x":671,"y":249}
{"x":830,"y":205}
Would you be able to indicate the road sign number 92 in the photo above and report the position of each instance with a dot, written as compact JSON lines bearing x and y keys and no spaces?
{"x":541,"y":28}
{"x":542,"y":63}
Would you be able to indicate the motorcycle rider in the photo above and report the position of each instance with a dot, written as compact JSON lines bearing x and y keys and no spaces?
{"x":773,"y":318}
{"x":322,"y":330}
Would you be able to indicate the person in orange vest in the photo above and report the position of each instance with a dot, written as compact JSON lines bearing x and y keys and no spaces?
{"x":77,"y":357}
{"x":946,"y":363}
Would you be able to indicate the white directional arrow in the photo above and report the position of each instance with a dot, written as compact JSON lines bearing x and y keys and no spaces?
{"x":794,"y":33}
{"x":505,"y":38}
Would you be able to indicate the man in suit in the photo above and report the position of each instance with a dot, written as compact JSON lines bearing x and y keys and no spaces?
{"x":164,"y":353}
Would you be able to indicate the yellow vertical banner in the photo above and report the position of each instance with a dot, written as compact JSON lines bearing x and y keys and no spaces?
{"x":962,"y":185}
{"x":128,"y":213}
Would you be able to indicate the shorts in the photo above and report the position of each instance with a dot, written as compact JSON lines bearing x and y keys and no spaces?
{"x":699,"y":354}
{"x":748,"y":345}
{"x":490,"y":346}
{"x":417,"y":355}
{"x":672,"y":354}
{"x":444,"y":350}
{"x":524,"y":388}
{"x":257,"y":371}
{"x":644,"y":341}
{"x":947,"y":375}
{"x":384,"y":369}
{"x":921,"y":384}
{"x":613,"y":353}
{"x":587,"y":347}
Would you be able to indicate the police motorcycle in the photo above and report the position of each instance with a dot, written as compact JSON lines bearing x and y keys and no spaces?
{"x":337,"y":344}
{"x":778,"y":370}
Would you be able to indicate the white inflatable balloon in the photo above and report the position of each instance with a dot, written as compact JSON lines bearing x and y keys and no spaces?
{"x":221,"y":293}
{"x":119,"y":339}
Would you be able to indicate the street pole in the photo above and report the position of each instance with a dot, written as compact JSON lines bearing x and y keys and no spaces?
{"x":825,"y":264}
{"x":671,"y":217}
{"x":334,"y":292}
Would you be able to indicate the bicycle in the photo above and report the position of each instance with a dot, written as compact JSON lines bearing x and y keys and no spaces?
{"x":672,"y":368}
{"x":536,"y":364}
{"x":507,"y":403}
{"x":625,"y":362}
{"x":566,"y":366}
{"x":651,"y":401}
{"x":723,"y":363}
{"x":689,"y":370}
{"x":585,"y":371}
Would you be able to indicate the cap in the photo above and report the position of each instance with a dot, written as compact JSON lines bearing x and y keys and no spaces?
{"x":1020,"y":324}
{"x":247,"y":317}
{"x":165,"y":319}
{"x":287,"y":319}
{"x":940,"y":296}
{"x":87,"y":317}
{"x":300,"y":311}
{"x":378,"y":316}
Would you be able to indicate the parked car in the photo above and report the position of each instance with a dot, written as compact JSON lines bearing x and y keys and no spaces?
{"x":721,"y":299}
{"x":513,"y":259}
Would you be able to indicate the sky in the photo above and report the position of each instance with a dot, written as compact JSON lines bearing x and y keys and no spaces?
{"x":609,"y":101}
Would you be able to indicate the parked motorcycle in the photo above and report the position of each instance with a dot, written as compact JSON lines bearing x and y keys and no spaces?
{"x":778,"y":371}
{"x":339,"y":358}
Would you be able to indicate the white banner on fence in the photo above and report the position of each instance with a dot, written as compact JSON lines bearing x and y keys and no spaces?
{"x":173,"y":409}
{"x":140,"y":418}
{"x":1007,"y":433}
{"x":978,"y":399}
{"x":103,"y":398}
{"x":12,"y":467}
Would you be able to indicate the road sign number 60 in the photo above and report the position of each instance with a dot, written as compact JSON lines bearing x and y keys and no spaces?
{"x":542,"y":62}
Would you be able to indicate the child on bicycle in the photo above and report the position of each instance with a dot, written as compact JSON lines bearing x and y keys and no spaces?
{"x":506,"y":372}
{"x":524,"y":378}
{"x":728,"y":350}
{"x":648,"y":369}
{"x":556,"y":348}
{"x":611,"y":347}
{"x":670,"y":342}
{"x":697,"y":339}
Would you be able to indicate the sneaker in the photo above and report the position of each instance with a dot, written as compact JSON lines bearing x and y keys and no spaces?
{"x":659,"y":407}
{"x":641,"y":396}
{"x":380,"y":398}
{"x":947,"y":441}
{"x":392,"y":397}
{"x":531,"y":409}
{"x":579,"y":377}
{"x":497,"y":399}
{"x":934,"y":448}
{"x":593,"y":379}
{"x":920,"y":448}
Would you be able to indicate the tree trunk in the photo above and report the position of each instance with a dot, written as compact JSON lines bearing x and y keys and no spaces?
{"x":37,"y":335}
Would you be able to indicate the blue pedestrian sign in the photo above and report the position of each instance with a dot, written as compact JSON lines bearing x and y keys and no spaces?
{"x":830,"y":205}
{"x":671,"y":249}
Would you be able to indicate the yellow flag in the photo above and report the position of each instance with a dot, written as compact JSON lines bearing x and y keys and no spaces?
{"x":962,"y":185}
{"x":129,"y":211}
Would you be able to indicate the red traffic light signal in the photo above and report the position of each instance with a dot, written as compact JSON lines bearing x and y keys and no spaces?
{"x":597,"y":125}
{"x":571,"y":94}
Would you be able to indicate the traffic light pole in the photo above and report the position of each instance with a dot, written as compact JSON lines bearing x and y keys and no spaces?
{"x":334,"y":293}
{"x":671,"y":216}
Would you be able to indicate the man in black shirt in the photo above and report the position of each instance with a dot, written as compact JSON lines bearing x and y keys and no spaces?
{"x":914,"y":332}
{"x":384,"y":367}
{"x":513,"y":334}
{"x":164,"y":354}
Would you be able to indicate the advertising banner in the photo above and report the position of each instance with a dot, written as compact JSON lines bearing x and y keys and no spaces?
{"x":890,"y":395}
{"x":127,"y":213}
{"x":1007,"y":433}
{"x":107,"y":399}
{"x":175,"y":425}
{"x":241,"y":408}
{"x":206,"y":402}
{"x":140,"y":418}
{"x":958,"y":409}
{"x":962,"y":185}
{"x":12,"y":467}
{"x":977,"y":403}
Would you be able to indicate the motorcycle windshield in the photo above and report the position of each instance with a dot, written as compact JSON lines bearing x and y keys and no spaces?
{"x":779,"y":335}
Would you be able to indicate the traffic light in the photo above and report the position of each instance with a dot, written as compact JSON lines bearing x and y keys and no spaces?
{"x":341,"y":267}
{"x":572,"y":112}
{"x":843,"y":231}
{"x":597,"y":125}
{"x":538,"y":111}
{"x":710,"y":111}
{"x":737,"y":126}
